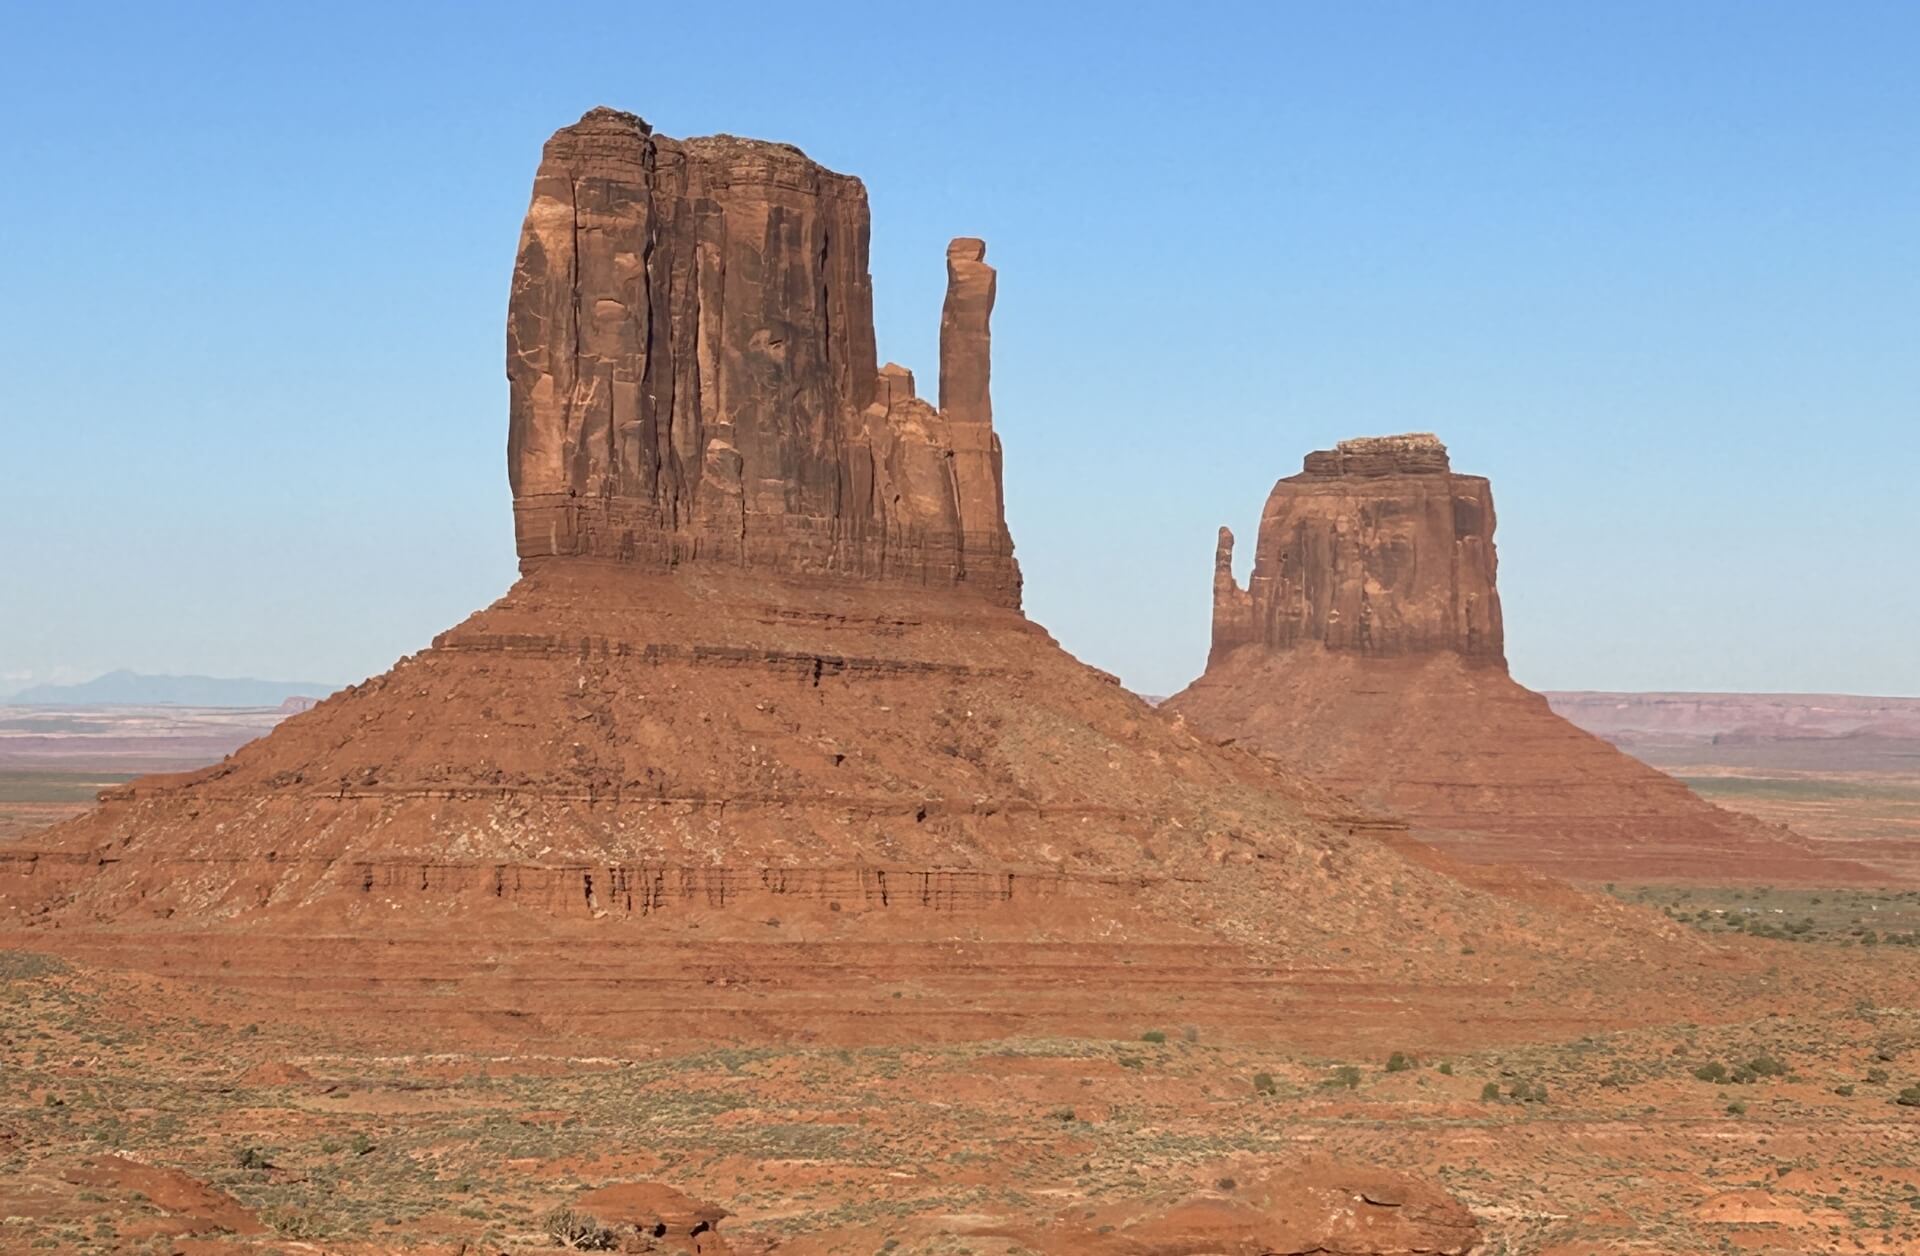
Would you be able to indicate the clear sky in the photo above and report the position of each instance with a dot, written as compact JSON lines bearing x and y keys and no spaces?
{"x":1654,"y":268}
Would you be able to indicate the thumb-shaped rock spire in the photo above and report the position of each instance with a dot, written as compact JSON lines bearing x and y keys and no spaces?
{"x":966,"y":403}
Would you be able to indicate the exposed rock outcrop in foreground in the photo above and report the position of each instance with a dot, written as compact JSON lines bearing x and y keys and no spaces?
{"x":1368,"y":652}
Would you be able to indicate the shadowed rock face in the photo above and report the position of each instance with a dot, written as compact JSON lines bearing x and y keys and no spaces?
{"x":690,"y":350}
{"x":1375,"y":547}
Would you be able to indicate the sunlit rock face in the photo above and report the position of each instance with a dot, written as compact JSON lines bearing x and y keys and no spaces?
{"x":1375,"y":547}
{"x":690,"y":349}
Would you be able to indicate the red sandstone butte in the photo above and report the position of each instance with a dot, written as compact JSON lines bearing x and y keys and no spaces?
{"x":760,"y":745}
{"x":690,"y":349}
{"x":1368,"y":652}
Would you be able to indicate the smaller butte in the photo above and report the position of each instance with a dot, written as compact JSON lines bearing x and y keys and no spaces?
{"x":1368,"y":651}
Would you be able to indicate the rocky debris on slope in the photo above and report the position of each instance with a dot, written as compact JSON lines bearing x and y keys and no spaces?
{"x":1367,"y":651}
{"x":693,"y":376}
{"x":1375,"y":547}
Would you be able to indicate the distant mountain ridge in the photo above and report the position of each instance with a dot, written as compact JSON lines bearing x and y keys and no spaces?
{"x":128,"y":688}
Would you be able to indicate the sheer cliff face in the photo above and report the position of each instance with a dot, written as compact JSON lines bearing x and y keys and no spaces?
{"x":690,"y":350}
{"x":1375,"y":548}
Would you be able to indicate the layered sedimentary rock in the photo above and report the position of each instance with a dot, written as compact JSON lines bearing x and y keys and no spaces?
{"x":1368,"y":652}
{"x":690,"y":349}
{"x":760,"y":744}
{"x":1375,"y":547}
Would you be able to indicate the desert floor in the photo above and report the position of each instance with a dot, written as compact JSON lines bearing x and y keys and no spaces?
{"x":143,"y":1114}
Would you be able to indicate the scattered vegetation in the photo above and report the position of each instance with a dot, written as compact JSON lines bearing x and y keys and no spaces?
{"x":1833,"y":917}
{"x":579,"y":1231}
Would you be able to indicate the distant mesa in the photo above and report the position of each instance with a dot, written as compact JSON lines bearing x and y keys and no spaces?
{"x":127,"y":688}
{"x":1636,"y":718}
{"x":1368,"y":651}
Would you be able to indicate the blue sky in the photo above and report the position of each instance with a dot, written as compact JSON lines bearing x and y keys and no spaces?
{"x":1654,"y":268}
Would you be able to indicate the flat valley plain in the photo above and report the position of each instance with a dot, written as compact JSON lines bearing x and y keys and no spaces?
{"x":139,"y":1114}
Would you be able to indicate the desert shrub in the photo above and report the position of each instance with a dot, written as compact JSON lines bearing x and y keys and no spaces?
{"x":1490,"y":1093}
{"x":1908,"y":1098}
{"x":1447,"y":1068}
{"x":583,"y":1233}
{"x":1712,"y":1071}
{"x":251,"y":1157}
{"x":1877,"y":1076}
{"x":1736,"y":1108}
{"x":1843,"y":1090}
{"x":1263,"y":1084}
{"x":1766,"y":1066}
{"x":1346,"y":1075}
{"x":1398,"y":1062}
{"x":1153,"y":1035}
{"x":294,"y":1224}
{"x":1742,"y":1075}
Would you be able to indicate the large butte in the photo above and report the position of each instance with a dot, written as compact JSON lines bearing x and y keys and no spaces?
{"x":1368,"y":651}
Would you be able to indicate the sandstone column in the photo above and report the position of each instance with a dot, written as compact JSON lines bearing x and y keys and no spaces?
{"x":966,"y":403}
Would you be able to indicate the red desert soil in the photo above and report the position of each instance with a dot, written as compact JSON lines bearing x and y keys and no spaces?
{"x":755,"y":846}
{"x":1368,"y":652}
